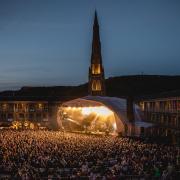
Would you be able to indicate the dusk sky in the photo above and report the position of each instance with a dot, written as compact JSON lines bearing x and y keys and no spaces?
{"x":48,"y":42}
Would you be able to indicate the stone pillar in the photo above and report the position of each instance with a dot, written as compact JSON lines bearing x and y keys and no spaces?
{"x":130,"y":114}
{"x":52,"y":115}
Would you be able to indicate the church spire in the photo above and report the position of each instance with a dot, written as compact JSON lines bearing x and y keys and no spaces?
{"x":95,"y":19}
{"x":96,"y":44}
{"x":96,"y":70}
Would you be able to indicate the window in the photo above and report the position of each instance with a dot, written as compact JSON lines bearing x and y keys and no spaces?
{"x":96,"y":69}
{"x":10,"y":117}
{"x":11,"y":107}
{"x":5,"y":107}
{"x":31,"y":116}
{"x":21,"y":116}
{"x":39,"y":106}
{"x":31,"y":107}
{"x":38,"y":117}
{"x":96,"y":85}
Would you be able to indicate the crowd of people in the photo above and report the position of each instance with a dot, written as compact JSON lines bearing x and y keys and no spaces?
{"x":53,"y":155}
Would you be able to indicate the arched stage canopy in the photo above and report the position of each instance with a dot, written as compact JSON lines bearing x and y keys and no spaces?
{"x":112,"y":110}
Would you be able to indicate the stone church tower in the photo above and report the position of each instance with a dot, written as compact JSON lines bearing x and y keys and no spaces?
{"x":96,"y":70}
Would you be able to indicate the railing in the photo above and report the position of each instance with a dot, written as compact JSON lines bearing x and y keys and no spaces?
{"x":161,"y":110}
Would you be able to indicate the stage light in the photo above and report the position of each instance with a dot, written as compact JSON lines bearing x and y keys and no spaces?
{"x":86,"y":110}
{"x":114,"y":126}
{"x":99,"y":110}
{"x":94,"y":118}
{"x":68,"y":108}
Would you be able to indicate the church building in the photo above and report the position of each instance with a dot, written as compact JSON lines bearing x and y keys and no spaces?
{"x":96,"y":70}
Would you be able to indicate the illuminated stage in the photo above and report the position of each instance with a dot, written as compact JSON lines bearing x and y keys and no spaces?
{"x":91,"y":119}
{"x":99,"y":114}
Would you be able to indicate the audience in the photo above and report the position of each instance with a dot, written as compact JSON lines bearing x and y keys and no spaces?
{"x":47,"y":154}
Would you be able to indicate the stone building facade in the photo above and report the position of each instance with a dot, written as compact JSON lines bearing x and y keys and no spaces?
{"x":164,"y":113}
{"x":40,"y":113}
